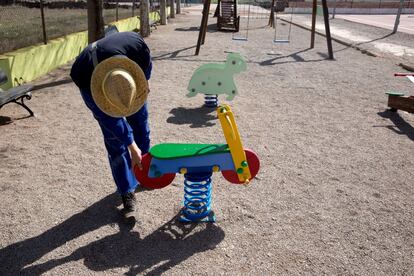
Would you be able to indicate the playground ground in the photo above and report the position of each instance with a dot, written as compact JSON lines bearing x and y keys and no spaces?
{"x":334,"y":195}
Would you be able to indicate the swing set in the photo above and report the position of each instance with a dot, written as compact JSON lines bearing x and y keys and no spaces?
{"x":231,"y":14}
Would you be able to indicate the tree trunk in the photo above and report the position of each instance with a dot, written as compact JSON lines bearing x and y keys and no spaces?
{"x":178,"y":6}
{"x":95,"y":20}
{"x":163,"y":12}
{"x":144,"y":18}
{"x":172,"y":9}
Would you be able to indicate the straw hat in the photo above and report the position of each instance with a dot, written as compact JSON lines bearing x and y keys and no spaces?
{"x":119,"y":87}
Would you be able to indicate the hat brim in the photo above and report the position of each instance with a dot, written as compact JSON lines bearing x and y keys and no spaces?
{"x":141,"y":83}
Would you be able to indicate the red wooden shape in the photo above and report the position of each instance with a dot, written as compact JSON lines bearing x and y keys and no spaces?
{"x":151,"y":182}
{"x":254,"y":166}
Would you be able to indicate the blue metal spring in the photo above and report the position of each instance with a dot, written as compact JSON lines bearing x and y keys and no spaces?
{"x":197,"y":196}
{"x":210,"y":100}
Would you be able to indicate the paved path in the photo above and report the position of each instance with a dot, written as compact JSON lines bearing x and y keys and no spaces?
{"x":383,"y":21}
{"x":377,"y":41}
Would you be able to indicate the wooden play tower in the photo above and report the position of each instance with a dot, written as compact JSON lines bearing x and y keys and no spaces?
{"x":227,"y":17}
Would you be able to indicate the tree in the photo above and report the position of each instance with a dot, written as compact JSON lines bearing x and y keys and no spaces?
{"x":144,"y":18}
{"x":95,"y":20}
{"x":163,"y":12}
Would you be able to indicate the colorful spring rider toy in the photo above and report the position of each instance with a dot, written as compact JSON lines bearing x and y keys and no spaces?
{"x":212,"y":79}
{"x":197,"y":162}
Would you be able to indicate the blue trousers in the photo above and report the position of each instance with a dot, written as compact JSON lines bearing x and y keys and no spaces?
{"x":118,"y":154}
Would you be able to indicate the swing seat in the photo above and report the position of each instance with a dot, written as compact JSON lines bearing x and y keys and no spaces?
{"x":281,"y":41}
{"x":174,"y":151}
{"x":240,"y":38}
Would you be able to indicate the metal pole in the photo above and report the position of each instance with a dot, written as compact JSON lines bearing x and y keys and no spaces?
{"x":42,"y":14}
{"x":397,"y":19}
{"x":334,"y":10}
{"x":133,"y":7}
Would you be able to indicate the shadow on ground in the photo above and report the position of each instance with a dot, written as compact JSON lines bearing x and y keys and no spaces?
{"x":195,"y":117}
{"x":375,"y":39}
{"x":166,"y":247}
{"x":400,"y":125}
{"x":211,"y":28}
{"x":295,"y":56}
{"x":5,"y":120}
{"x":52,"y":84}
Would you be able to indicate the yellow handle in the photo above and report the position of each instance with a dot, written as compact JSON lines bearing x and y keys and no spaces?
{"x":231,"y":126}
{"x":232,"y":136}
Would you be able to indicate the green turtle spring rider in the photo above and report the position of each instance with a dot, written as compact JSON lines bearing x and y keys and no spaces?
{"x":197,"y":162}
{"x":212,"y":79}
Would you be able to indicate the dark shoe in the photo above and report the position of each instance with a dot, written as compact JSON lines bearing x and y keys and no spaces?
{"x":129,"y":201}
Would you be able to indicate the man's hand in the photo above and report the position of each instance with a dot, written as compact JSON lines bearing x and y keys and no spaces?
{"x":135,"y":155}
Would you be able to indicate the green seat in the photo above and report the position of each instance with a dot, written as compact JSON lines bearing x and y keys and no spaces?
{"x":172,"y":151}
{"x":394,"y":93}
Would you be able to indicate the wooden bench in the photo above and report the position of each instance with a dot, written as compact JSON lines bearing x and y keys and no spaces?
{"x":398,"y":101}
{"x":15,"y":95}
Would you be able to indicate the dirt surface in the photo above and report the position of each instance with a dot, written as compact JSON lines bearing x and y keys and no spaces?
{"x":334,"y":194}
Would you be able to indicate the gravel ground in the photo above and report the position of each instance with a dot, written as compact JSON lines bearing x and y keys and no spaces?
{"x":334,"y":194}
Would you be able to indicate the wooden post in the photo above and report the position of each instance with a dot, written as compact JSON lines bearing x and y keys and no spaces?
{"x":42,"y":14}
{"x":327,"y":28}
{"x":203,"y":39}
{"x":312,"y":44}
{"x":144,"y":18}
{"x":172,"y":9}
{"x":116,"y":11}
{"x":203,"y":26}
{"x":217,"y":11}
{"x":178,"y":6}
{"x":163,"y":12}
{"x":95,"y":20}
{"x":271,"y":22}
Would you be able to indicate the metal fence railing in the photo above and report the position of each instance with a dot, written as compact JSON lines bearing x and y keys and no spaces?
{"x":23,"y":23}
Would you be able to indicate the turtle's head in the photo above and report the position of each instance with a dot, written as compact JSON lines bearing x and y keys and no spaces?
{"x":236,"y":63}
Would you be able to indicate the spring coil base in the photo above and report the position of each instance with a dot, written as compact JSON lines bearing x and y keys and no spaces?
{"x":197,"y":198}
{"x":210,"y":100}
